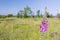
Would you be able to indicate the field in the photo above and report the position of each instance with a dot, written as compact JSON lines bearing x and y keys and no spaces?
{"x":28,"y":29}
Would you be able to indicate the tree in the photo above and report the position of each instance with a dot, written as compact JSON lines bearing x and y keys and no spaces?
{"x":10,"y":15}
{"x":38,"y":13}
{"x":26,"y":11}
{"x":0,"y":16}
{"x":58,"y":15}
{"x":41,"y":15}
{"x":20,"y":14}
{"x":30,"y":13}
{"x":51,"y":16}
{"x":47,"y":14}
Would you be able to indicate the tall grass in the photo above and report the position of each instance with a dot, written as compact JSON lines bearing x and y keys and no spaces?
{"x":28,"y":29}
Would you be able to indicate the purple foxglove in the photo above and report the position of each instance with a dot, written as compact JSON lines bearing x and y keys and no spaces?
{"x":44,"y":25}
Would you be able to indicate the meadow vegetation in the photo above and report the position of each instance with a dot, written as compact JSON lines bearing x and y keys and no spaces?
{"x":28,"y":29}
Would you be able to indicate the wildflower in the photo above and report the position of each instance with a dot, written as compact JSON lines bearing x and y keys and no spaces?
{"x":44,"y":25}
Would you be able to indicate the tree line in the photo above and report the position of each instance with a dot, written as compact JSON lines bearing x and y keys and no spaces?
{"x":27,"y":12}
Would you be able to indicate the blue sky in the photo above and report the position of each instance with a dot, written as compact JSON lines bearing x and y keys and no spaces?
{"x":13,"y":6}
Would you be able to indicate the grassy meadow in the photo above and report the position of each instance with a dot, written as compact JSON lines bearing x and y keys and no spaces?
{"x":28,"y":29}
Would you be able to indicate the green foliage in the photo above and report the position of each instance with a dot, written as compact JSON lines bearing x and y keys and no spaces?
{"x":38,"y":13}
{"x":10,"y":15}
{"x":49,"y":15}
{"x":2,"y":16}
{"x":41,"y":15}
{"x":27,"y":11}
{"x":20,"y":14}
{"x":58,"y":15}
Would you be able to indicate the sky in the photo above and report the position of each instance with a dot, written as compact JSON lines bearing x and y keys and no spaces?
{"x":13,"y":6}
